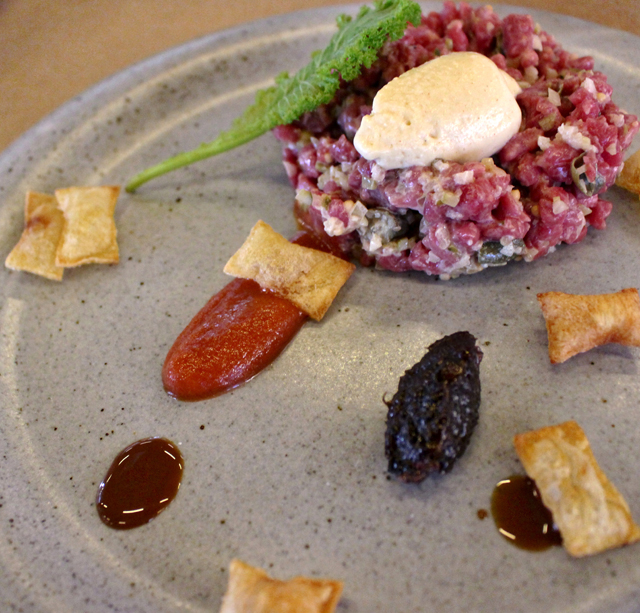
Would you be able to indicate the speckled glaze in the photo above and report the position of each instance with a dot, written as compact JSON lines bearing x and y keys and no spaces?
{"x":287,"y":472}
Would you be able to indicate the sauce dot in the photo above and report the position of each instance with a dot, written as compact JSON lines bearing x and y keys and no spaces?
{"x":142,"y":480}
{"x":521,"y":517}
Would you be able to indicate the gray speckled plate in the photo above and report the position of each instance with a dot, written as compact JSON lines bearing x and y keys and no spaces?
{"x":287,"y":472}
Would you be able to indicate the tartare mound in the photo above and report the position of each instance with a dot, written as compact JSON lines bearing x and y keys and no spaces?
{"x":541,"y":189}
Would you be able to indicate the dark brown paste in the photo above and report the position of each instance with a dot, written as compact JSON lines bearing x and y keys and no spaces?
{"x":435,"y":410}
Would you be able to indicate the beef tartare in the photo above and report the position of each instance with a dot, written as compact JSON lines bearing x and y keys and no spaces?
{"x":543,"y":188}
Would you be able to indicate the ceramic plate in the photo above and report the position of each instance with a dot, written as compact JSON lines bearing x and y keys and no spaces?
{"x":287,"y":472}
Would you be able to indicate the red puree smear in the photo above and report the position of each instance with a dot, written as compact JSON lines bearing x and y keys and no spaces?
{"x":238,"y":333}
{"x":142,"y":480}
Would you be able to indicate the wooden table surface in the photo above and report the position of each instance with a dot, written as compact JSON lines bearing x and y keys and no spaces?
{"x":52,"y":50}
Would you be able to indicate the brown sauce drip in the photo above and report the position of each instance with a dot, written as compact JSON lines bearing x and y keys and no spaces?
{"x":521,"y":517}
{"x":142,"y":480}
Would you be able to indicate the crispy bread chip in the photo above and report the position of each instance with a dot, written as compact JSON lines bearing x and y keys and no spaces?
{"x":251,"y":590}
{"x":35,"y":252}
{"x":578,"y":323}
{"x":89,"y":234}
{"x":309,"y":278}
{"x":590,"y":513}
{"x":629,"y":177}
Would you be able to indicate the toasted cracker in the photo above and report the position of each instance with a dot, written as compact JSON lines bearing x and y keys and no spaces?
{"x":89,"y":234}
{"x":35,"y":252}
{"x":629,"y":177}
{"x":577,"y":323}
{"x":309,"y":278}
{"x":251,"y":590}
{"x":590,"y":512}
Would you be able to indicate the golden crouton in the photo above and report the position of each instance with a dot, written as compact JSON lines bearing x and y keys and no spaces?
{"x":35,"y":252}
{"x":629,"y":177}
{"x":251,"y":590}
{"x":307,"y":277}
{"x":578,"y":323}
{"x":89,"y":234}
{"x":590,"y":513}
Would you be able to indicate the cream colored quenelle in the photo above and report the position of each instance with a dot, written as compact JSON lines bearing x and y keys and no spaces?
{"x":459,"y":107}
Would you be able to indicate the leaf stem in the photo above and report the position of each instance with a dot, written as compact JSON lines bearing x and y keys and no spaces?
{"x":205,"y":150}
{"x":354,"y":45}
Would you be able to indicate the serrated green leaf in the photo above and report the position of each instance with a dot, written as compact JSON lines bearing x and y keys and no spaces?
{"x":355,"y":44}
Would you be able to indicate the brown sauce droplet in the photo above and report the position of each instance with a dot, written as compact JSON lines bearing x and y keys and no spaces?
{"x":520,"y":515}
{"x":142,"y":480}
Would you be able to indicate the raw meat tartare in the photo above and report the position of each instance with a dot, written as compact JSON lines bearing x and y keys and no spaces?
{"x":541,"y":189}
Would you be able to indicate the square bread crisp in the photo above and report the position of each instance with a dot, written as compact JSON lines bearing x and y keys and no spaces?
{"x":251,"y":590}
{"x":89,"y":234}
{"x":578,"y":323}
{"x":629,"y":177}
{"x":590,"y":513}
{"x":309,"y":278}
{"x":35,"y":252}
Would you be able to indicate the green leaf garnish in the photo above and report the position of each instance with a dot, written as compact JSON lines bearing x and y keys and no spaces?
{"x":354,"y":45}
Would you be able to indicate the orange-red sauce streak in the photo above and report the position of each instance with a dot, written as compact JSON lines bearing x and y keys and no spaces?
{"x":239,"y":332}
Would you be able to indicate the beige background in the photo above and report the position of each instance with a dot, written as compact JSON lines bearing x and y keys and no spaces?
{"x":51,"y":50}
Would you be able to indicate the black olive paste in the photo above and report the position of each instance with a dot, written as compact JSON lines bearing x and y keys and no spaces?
{"x":435,"y":410}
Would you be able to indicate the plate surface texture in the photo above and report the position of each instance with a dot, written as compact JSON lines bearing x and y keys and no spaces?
{"x":287,"y":472}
